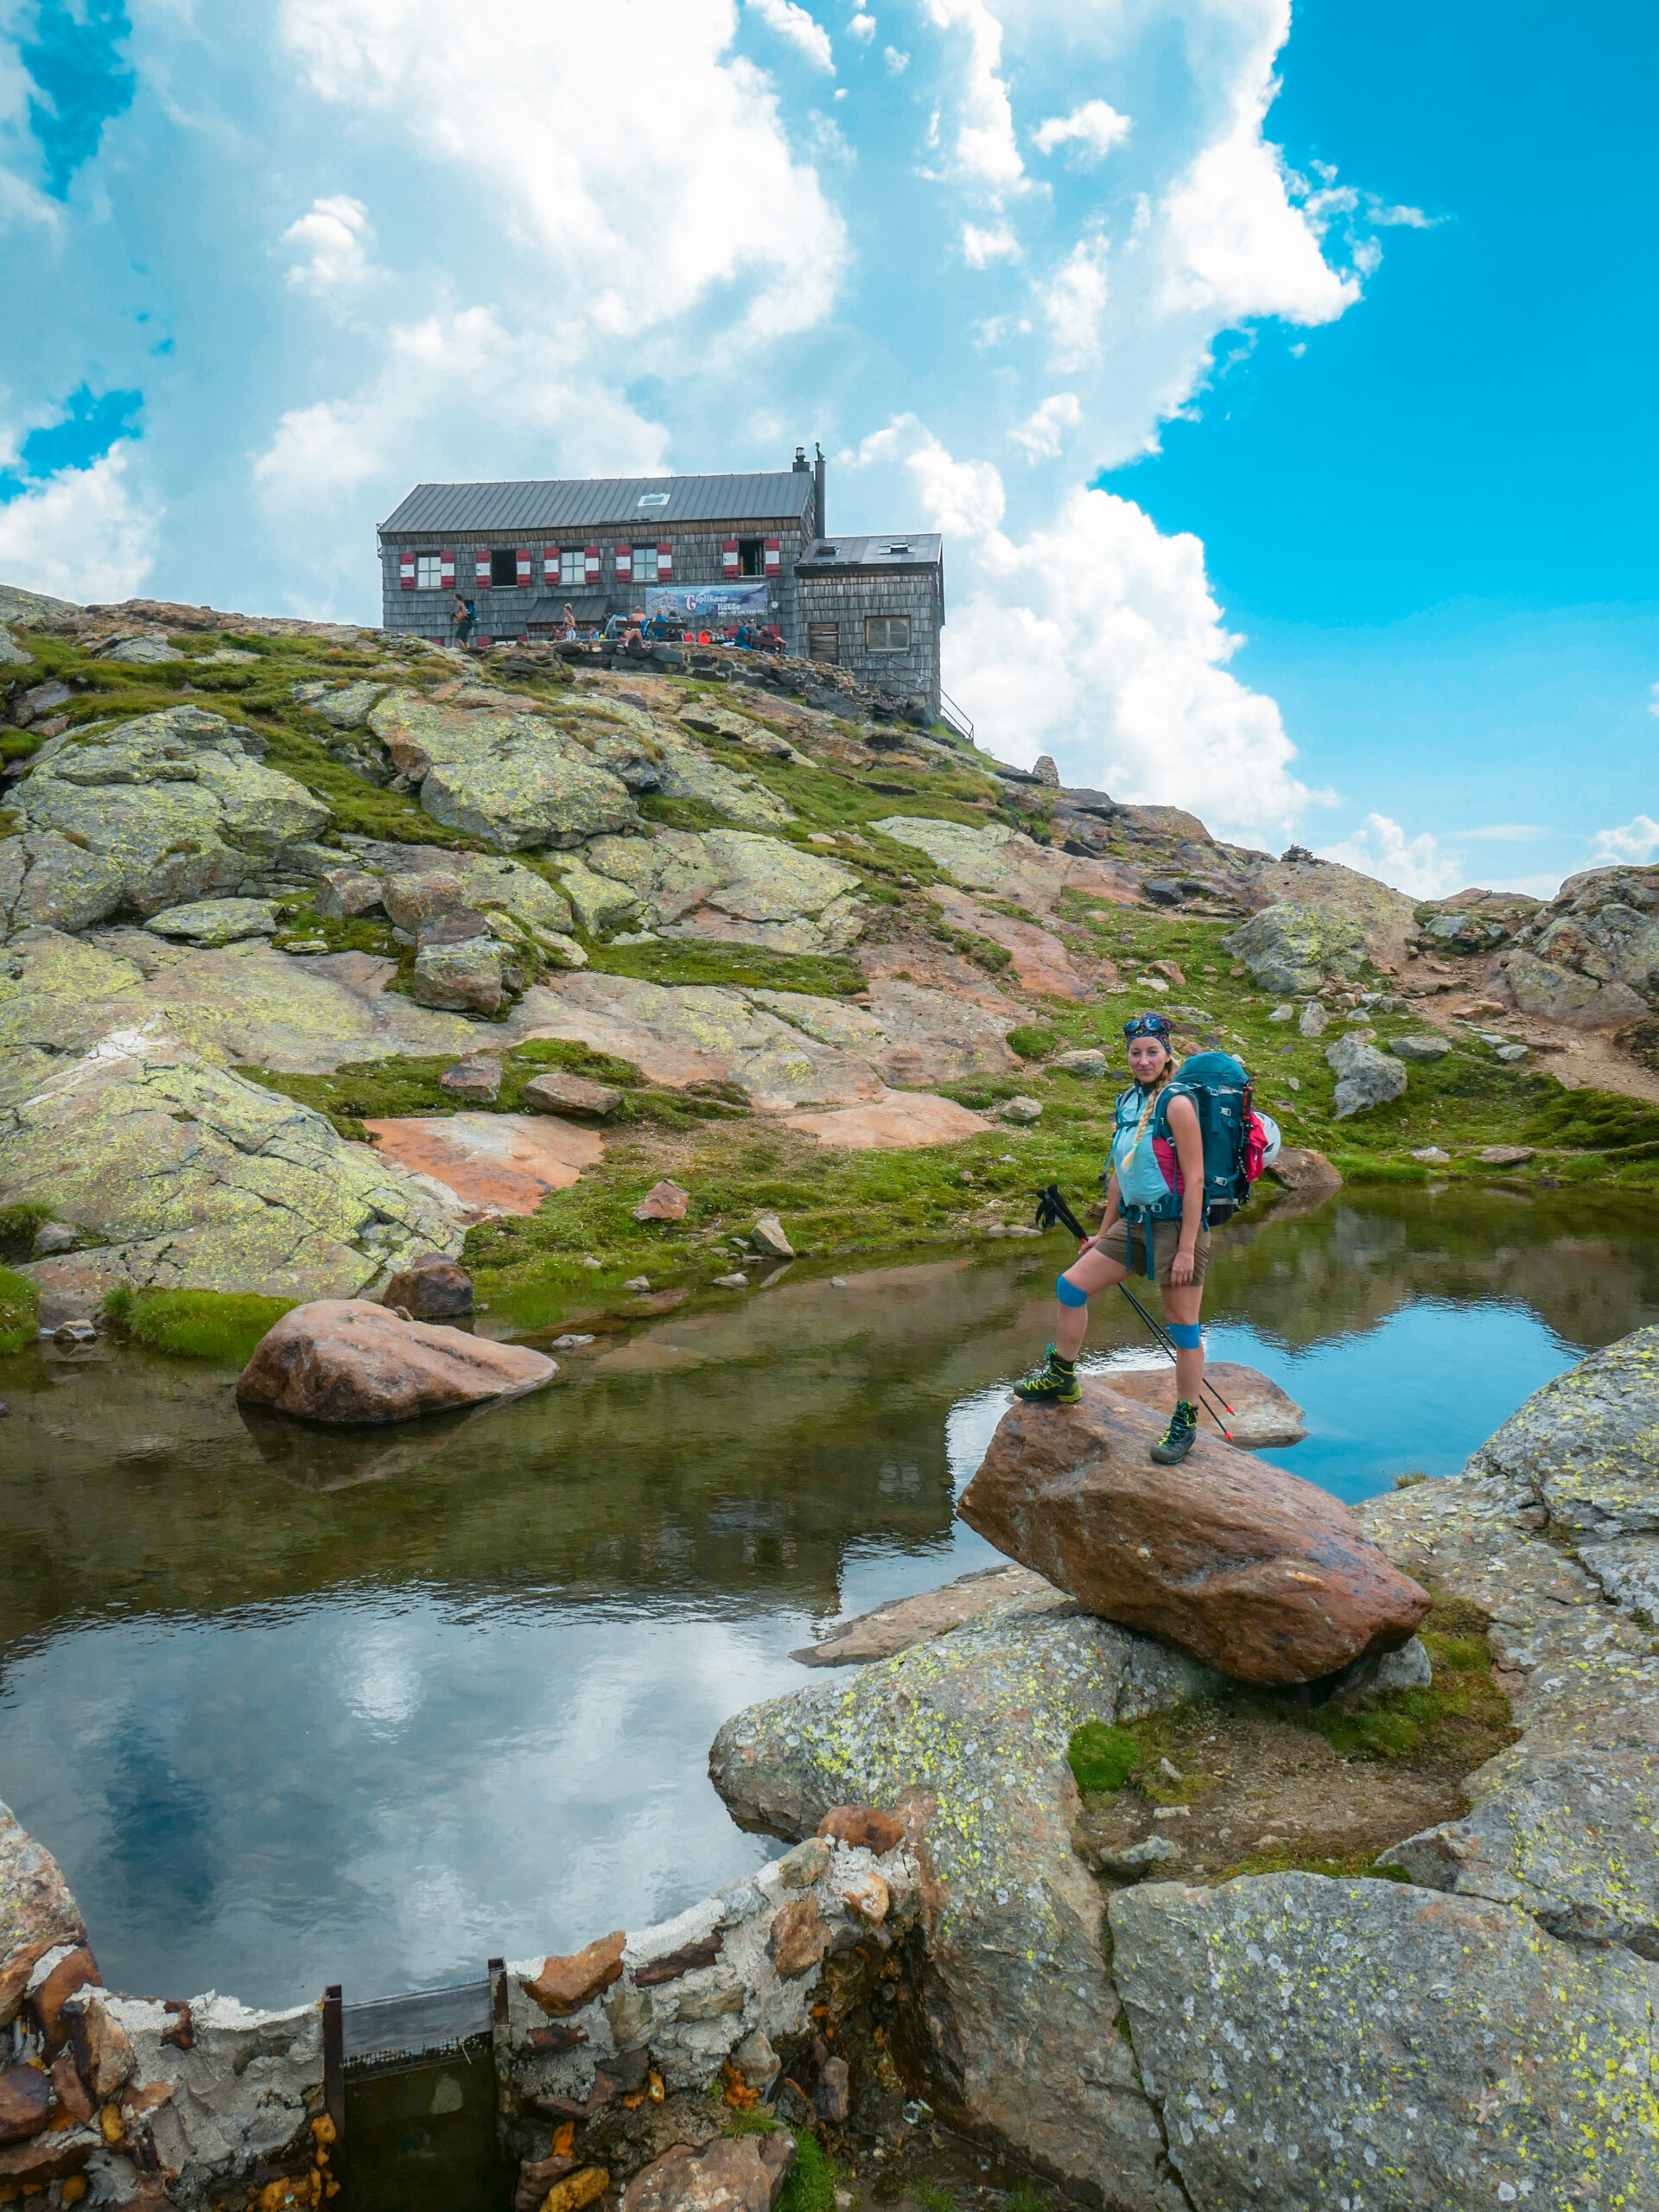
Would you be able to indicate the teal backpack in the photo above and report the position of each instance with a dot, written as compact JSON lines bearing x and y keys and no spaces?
{"x":1235,"y":1141}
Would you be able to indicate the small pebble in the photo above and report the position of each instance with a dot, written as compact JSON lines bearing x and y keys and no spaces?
{"x":637,"y":1282}
{"x":837,"y":1282}
{"x":1173,"y":1772}
{"x":572,"y":1344}
{"x":731,"y":1282}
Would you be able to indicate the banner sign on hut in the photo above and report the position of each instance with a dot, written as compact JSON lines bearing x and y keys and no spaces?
{"x":744,"y":602}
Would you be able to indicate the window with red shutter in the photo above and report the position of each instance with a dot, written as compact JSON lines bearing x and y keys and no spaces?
{"x":446,"y":571}
{"x":625,"y":564}
{"x":590,"y":562}
{"x":728,"y":557}
{"x":774,"y":555}
{"x":481,"y":568}
{"x":406,"y":570}
{"x":665,"y":561}
{"x":521,"y":560}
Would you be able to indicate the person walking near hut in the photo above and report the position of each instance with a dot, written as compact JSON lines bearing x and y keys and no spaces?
{"x":462,"y":612}
{"x":1154,"y":1225}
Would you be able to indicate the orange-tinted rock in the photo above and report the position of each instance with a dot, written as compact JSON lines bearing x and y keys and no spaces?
{"x":800,"y":1936}
{"x":13,"y":1975}
{"x":863,"y":1828}
{"x":492,"y":1163}
{"x":48,"y":2158}
{"x":346,"y":1361}
{"x":99,"y":2046}
{"x":560,"y":1092}
{"x":586,"y":2186}
{"x":1304,"y":1172}
{"x":1261,"y":1415}
{"x":1261,"y":1576}
{"x":72,"y":2092}
{"x":741,"y":2174}
{"x":664,"y":1201}
{"x":565,"y":1984}
{"x":78,"y":1969}
{"x":899,"y":1121}
{"x":431,"y":1288}
{"x":25,"y":2102}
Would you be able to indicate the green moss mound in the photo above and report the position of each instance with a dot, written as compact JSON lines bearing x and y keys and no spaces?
{"x":809,"y":2184}
{"x":1035,"y":1044}
{"x":20,"y":1310}
{"x":18,"y":1226}
{"x":218,"y":1326}
{"x":1102,"y":1757}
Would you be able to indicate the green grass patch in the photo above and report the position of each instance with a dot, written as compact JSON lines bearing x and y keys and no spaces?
{"x":809,"y":2184}
{"x":218,"y":1326}
{"x":731,"y":966}
{"x":1032,"y":1043}
{"x":756,"y":2120}
{"x":1103,"y":1756}
{"x":20,"y":1310}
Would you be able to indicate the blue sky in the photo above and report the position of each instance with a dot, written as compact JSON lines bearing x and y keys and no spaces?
{"x":1282,"y":384}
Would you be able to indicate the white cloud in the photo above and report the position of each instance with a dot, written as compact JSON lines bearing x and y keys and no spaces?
{"x":1636,"y":840}
{"x":1043,"y":434}
{"x":1234,"y":245}
{"x":897,"y":62}
{"x":980,"y":247}
{"x":84,"y":534}
{"x":577,"y":201}
{"x":862,"y":27}
{"x":1507,"y":833}
{"x":956,"y":495}
{"x":1094,"y":129}
{"x":986,"y":151}
{"x":1074,"y":302}
{"x":336,"y":234}
{"x":796,"y":24}
{"x":1416,"y":865}
{"x":1653,"y":699}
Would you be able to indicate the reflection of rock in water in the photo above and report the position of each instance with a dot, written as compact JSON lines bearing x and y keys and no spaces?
{"x":325,"y":1460}
{"x":1590,"y":1271}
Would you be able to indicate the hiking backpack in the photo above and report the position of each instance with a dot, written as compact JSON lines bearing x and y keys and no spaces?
{"x":1238,"y":1143}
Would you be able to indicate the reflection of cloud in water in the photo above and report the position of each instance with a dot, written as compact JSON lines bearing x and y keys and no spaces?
{"x":388,"y":1781}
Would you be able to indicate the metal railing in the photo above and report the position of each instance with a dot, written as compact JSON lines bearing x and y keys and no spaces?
{"x":951,"y":713}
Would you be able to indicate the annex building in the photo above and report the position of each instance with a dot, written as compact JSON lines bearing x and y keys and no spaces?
{"x":709,"y":552}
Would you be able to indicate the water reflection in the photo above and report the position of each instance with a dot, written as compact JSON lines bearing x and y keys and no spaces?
{"x":295,"y":1707}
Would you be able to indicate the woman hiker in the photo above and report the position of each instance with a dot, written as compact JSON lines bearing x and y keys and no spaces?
{"x":1146,"y":1165}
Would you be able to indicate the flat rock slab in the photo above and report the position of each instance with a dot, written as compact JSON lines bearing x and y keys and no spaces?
{"x":345,"y":1361}
{"x":1308,"y":2041}
{"x":1586,"y":1445}
{"x":904,"y":1621}
{"x":492,"y":1163}
{"x":1261,"y":1576}
{"x":899,"y":1121}
{"x":1039,"y":960}
{"x":1261,"y":1414}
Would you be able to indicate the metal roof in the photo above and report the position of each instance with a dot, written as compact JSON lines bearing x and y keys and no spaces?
{"x":641,"y":503}
{"x":923,"y":549}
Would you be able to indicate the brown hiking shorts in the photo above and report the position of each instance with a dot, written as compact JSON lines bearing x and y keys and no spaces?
{"x":1126,"y":1245}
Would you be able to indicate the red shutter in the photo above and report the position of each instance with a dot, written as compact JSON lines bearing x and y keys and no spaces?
{"x":447,"y":571}
{"x":590,"y":562}
{"x":625,"y":564}
{"x":774,"y":555}
{"x":406,"y":570}
{"x":550,"y":564}
{"x":522,"y":557}
{"x":481,"y":568}
{"x":665,"y":561}
{"x":728,"y":557}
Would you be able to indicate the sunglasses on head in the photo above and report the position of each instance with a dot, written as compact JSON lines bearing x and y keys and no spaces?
{"x":1149,"y":1025}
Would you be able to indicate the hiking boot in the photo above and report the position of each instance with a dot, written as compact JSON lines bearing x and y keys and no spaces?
{"x":1177,"y":1439}
{"x":1052,"y":1382}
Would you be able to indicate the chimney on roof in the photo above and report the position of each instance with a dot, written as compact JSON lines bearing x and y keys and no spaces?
{"x":800,"y":460}
{"x":820,"y":528}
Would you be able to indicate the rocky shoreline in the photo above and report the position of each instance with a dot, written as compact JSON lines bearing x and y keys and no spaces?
{"x":976,"y":1919}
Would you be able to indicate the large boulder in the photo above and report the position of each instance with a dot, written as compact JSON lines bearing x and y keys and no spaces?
{"x":148,"y":814}
{"x":1551,"y":992}
{"x":1365,"y":1077}
{"x":193,"y":1178}
{"x":37,"y":1913}
{"x":970,"y":1730}
{"x":1590,"y":957}
{"x":1262,"y":1577}
{"x":1384,"y":918}
{"x":722,"y":886}
{"x":740,"y":2174}
{"x":1291,"y":947}
{"x":1310,"y":2042}
{"x":989,"y":856}
{"x":912,"y":1035}
{"x":345,"y":1361}
{"x":510,"y":779}
{"x":686,"y":771}
{"x":1574,"y":1842}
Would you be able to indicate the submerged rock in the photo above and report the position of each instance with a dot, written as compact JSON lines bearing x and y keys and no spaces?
{"x":1262,"y":1577}
{"x":348,"y":1362}
{"x":1306,"y":2040}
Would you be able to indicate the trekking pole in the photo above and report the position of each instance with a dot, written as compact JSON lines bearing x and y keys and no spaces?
{"x":1052,"y":1210}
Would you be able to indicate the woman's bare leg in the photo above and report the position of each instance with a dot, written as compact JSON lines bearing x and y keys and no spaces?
{"x":1092,"y":1271}
{"x":1181,"y":1304}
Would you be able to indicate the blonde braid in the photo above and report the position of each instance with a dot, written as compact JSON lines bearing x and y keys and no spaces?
{"x":1164,"y":1075}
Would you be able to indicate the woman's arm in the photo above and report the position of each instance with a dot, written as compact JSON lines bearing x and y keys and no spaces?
{"x":1109,"y":1218}
{"x":1189,"y":1151}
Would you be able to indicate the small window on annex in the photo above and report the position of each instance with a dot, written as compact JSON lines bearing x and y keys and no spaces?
{"x":573,"y":565}
{"x":887,"y":633}
{"x":645,"y":564}
{"x":751,"y":557}
{"x":428,"y":572}
{"x":503,"y":569}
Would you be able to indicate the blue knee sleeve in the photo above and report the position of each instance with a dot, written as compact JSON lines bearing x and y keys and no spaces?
{"x":1069,"y":1294}
{"x":1185,"y":1335}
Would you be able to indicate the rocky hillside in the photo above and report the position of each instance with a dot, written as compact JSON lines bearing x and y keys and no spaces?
{"x":320,"y":949}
